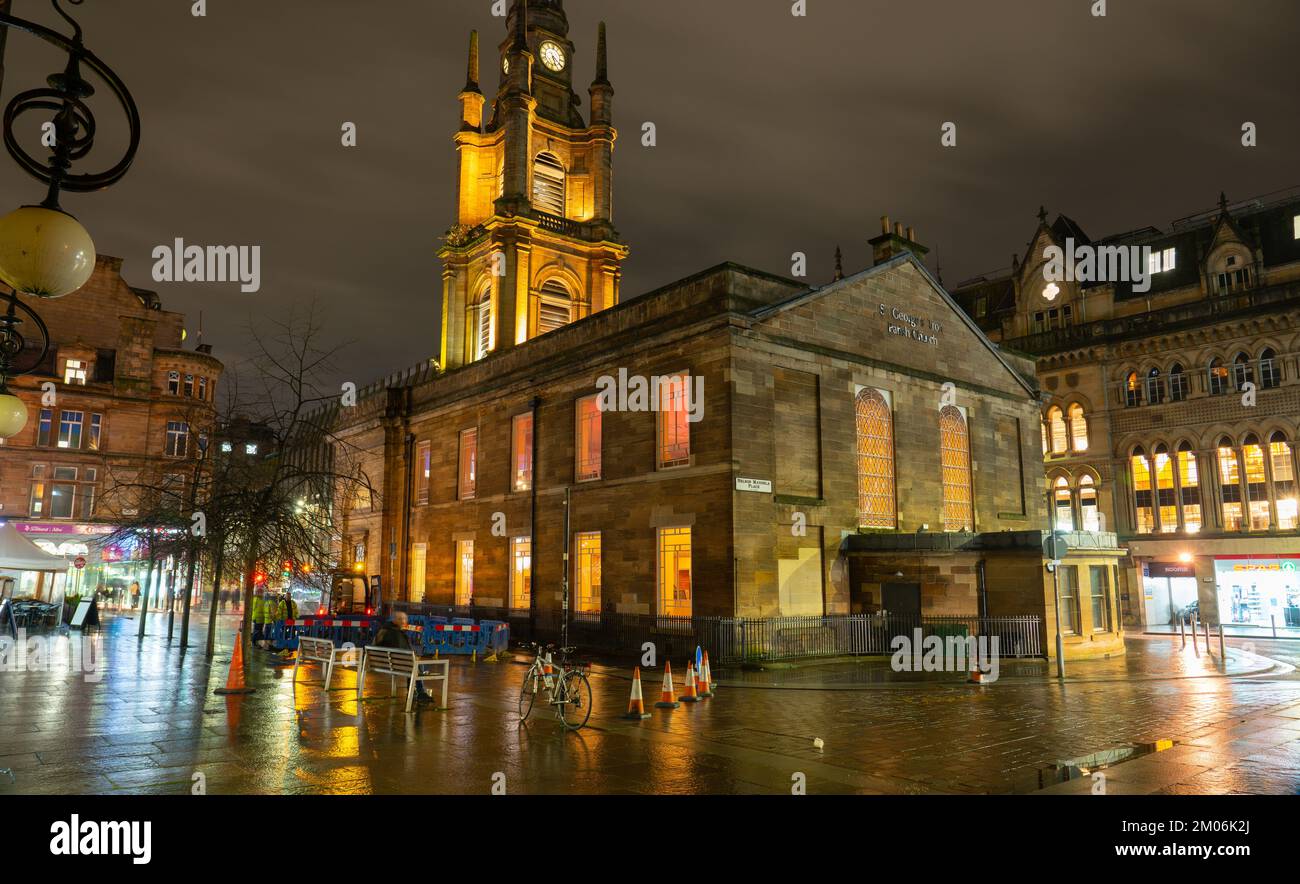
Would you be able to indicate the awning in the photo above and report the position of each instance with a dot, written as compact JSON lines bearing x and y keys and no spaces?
{"x":17,"y":553}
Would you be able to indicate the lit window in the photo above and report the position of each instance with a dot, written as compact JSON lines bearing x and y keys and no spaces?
{"x":1143,"y":498}
{"x":483,"y":322}
{"x":1099,"y":593}
{"x":674,"y":421}
{"x":1252,"y":455}
{"x":521,"y":452}
{"x":419,"y":571}
{"x":467,"y":483}
{"x":74,"y":372}
{"x":1088,"y":512}
{"x":1063,"y":500}
{"x":464,"y":572}
{"x":1230,"y":485}
{"x":227,"y":447}
{"x":548,"y":184}
{"x":586,"y":573}
{"x":521,"y":573}
{"x":587,"y":465}
{"x":70,"y":423}
{"x":1296,"y":222}
{"x":178,"y":438}
{"x":1078,"y":428}
{"x":1132,"y":390}
{"x":675,"y":591}
{"x":1284,"y":485}
{"x":555,"y":309}
{"x":954,"y":451}
{"x":1218,"y":377}
{"x":1166,"y":501}
{"x":1189,"y":488}
{"x":423,"y":469}
{"x":96,"y":431}
{"x":44,"y":427}
{"x":1057,"y":430}
{"x":36,"y":504}
{"x":250,"y":448}
{"x":875,"y":434}
{"x":1160,"y":260}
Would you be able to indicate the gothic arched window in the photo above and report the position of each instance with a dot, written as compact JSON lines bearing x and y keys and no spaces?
{"x":1166,"y":501}
{"x":1189,"y":488}
{"x":1078,"y":428}
{"x":1243,"y":372}
{"x":954,"y":455}
{"x":1063,"y":504}
{"x":548,"y":184}
{"x":1280,"y":459}
{"x":1132,"y":390}
{"x":1230,"y":485}
{"x":1218,"y":377}
{"x":1177,"y":383}
{"x":1056,"y":430}
{"x":1143,"y":499}
{"x":1270,"y":372}
{"x":555,"y":309}
{"x":484,"y":332}
{"x":875,"y":430}
{"x":1088,"y":512}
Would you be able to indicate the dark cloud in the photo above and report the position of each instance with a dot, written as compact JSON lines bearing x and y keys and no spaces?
{"x":776,"y":134}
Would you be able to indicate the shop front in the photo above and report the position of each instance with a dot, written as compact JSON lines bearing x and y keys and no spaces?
{"x":109,"y":568}
{"x":1169,"y":591}
{"x":1258,"y":590}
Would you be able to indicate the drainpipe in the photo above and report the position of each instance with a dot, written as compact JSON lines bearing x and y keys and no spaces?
{"x":532,"y":522}
{"x":406,"y":510}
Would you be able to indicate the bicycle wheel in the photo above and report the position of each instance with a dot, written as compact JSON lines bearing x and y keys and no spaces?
{"x":576,"y":708}
{"x":528,"y":693}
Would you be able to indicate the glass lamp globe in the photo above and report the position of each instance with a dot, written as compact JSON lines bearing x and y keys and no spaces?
{"x":45,"y":252}
{"x":13,"y":414}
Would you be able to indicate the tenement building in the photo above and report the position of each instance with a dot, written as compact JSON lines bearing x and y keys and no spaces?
{"x":733,"y":444}
{"x":116,"y":403}
{"x":1171,"y":398}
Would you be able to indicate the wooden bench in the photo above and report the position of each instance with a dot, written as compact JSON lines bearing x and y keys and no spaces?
{"x":324,"y":651}
{"x":398,"y":663}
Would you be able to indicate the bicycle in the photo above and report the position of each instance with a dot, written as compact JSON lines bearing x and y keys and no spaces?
{"x":566,"y":687}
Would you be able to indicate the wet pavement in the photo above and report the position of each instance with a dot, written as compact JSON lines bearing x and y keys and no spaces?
{"x":149,"y":723}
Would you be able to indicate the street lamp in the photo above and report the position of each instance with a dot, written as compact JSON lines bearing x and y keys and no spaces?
{"x":44,"y":251}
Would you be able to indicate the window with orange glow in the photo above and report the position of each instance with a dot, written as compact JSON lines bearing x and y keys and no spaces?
{"x":1165,"y":497}
{"x":1252,"y":454}
{"x":1057,"y":429}
{"x":521,"y":452}
{"x":1284,"y":485}
{"x":1144,"y":499}
{"x":1230,"y":485}
{"x":954,"y":455}
{"x":587,"y":465}
{"x":875,"y":437}
{"x":674,"y":424}
{"x":1063,"y":504}
{"x":1078,"y":428}
{"x":1089,"y":514}
{"x":467,"y":483}
{"x":1189,"y":488}
{"x":675,"y":577}
{"x":586,"y":573}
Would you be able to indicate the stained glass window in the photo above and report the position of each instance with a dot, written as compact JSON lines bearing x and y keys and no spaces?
{"x":675,"y":572}
{"x":586,"y":573}
{"x":954,"y":445}
{"x":876,"y":502}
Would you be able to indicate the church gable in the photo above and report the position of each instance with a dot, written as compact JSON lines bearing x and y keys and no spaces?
{"x":895,"y":313}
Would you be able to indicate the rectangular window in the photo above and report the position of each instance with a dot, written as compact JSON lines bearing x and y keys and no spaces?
{"x":65,"y":474}
{"x":1099,"y":587}
{"x":1296,"y":222}
{"x":587,"y":465}
{"x":62,"y":498}
{"x":423,"y":469}
{"x":96,"y":431}
{"x":586,"y":574}
{"x":675,"y":596}
{"x":178,"y":439}
{"x":87,"y":501}
{"x":1168,"y":259}
{"x":105,"y":366}
{"x":1230,"y":488}
{"x":36,"y":504}
{"x":1040,"y":321}
{"x":43,"y":428}
{"x":189,"y":386}
{"x":674,"y":426}
{"x":174,"y":382}
{"x":203,"y":389}
{"x":521,"y":452}
{"x":419,"y":570}
{"x":467,"y":484}
{"x":484,"y":342}
{"x":70,"y":429}
{"x":464,"y":572}
{"x":1069,"y":612}
{"x":74,"y":372}
{"x":521,"y":573}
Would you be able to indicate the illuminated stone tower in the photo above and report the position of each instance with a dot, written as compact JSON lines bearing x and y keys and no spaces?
{"x":534,"y":246}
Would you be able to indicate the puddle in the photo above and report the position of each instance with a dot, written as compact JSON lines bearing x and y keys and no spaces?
{"x":1063,"y":771}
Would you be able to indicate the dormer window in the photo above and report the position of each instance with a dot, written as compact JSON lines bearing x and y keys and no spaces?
{"x":1162,"y":260}
{"x":74,"y":372}
{"x":1296,"y":222}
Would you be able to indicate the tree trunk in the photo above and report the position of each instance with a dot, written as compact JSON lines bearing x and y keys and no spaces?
{"x":250,"y":571}
{"x":144,"y":595}
{"x":191,"y":566}
{"x":217,"y":566}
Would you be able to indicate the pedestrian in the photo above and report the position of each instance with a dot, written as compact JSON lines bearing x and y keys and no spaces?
{"x":259,"y":607}
{"x":135,"y":593}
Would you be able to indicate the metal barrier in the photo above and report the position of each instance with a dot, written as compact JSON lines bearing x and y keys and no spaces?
{"x":462,"y":636}
{"x":340,"y":630}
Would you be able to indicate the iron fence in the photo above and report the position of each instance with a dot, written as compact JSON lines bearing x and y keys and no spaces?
{"x":752,"y":639}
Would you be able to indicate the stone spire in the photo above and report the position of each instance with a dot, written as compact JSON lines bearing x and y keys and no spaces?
{"x":602,"y":94}
{"x":839,"y":265}
{"x":472,"y":68}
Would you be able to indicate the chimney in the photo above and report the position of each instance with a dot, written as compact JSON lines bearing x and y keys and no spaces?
{"x":892,"y":243}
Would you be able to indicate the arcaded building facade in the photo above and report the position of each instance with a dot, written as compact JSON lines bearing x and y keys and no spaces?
{"x":1170,"y":415}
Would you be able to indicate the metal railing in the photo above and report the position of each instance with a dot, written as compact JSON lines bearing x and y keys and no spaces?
{"x":752,"y":639}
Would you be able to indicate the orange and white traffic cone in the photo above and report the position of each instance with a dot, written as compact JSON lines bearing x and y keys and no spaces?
{"x":690,"y":695}
{"x":706,"y":678}
{"x":668,"y":697}
{"x":636,"y":705}
{"x":235,"y":678}
{"x":976,"y":676}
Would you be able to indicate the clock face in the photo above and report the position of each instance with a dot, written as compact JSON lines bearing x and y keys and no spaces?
{"x":552,"y":56}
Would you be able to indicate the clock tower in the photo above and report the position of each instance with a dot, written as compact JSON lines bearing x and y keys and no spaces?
{"x":534,"y":246}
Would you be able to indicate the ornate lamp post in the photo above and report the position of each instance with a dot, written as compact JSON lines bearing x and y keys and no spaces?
{"x":44,"y":251}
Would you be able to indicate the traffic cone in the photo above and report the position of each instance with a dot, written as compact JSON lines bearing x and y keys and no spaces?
{"x":976,"y":676}
{"x":690,"y":695}
{"x":636,"y":705}
{"x":706,"y":678}
{"x":668,"y":697}
{"x":235,"y":678}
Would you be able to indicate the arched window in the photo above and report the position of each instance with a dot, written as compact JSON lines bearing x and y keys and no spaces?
{"x":1270,"y":372}
{"x":1063,"y":504}
{"x":876,"y":501}
{"x":1078,"y":428}
{"x":1166,"y":501}
{"x":1155,"y":387}
{"x":1089,"y":514}
{"x":555,"y":309}
{"x":1043,"y":426}
{"x":1057,"y":431}
{"x":1177,"y":383}
{"x":1142,"y":496}
{"x":1252,"y":458}
{"x":1230,"y":485}
{"x":1189,"y":488}
{"x":954,"y":454}
{"x":1243,"y":372}
{"x":548,"y":184}
{"x":1132,"y":390}
{"x":1284,"y":493}
{"x":1218,"y":377}
{"x":483,"y":325}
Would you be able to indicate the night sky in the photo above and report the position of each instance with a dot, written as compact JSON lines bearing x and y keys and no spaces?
{"x":776,"y":134}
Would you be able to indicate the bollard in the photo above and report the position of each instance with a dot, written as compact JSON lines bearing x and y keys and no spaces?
{"x":1222,"y":655}
{"x":1205,"y":625}
{"x":1195,"y":647}
{"x":1182,"y":631}
{"x":1272,"y":619}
